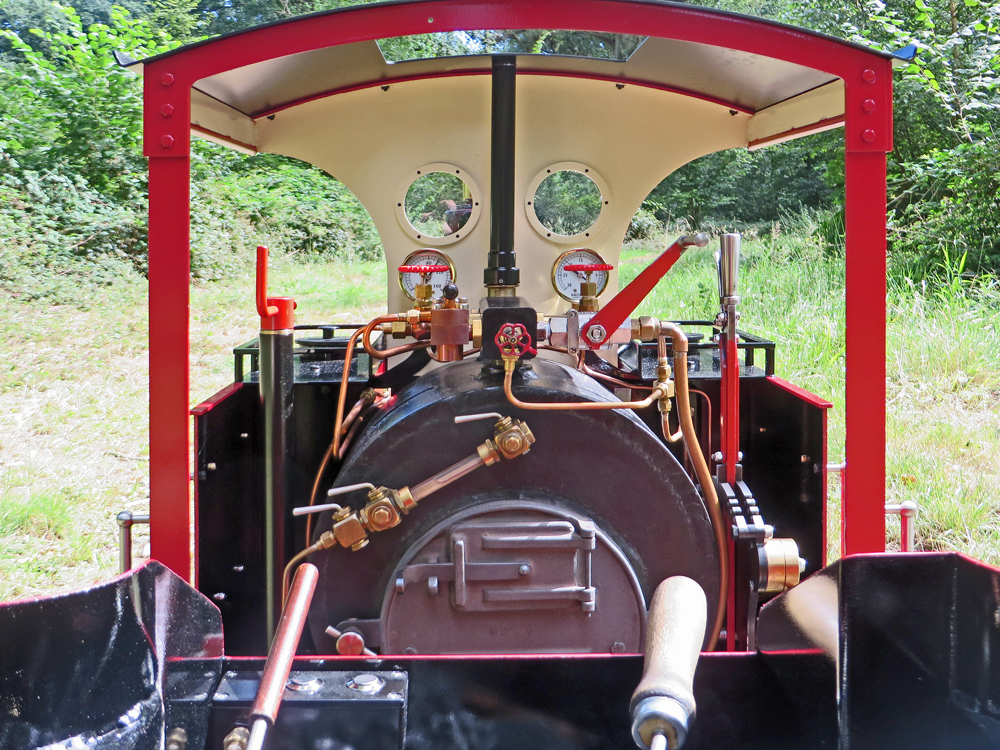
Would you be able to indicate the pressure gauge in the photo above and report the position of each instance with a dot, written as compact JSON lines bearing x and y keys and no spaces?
{"x":442,"y":273}
{"x":576,"y":267}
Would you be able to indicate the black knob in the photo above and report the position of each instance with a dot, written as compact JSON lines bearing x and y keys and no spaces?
{"x":450,"y":291}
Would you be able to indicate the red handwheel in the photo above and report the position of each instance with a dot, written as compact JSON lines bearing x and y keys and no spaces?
{"x":513,"y":340}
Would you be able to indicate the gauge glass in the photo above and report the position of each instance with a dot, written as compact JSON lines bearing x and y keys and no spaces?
{"x":408,"y":281}
{"x":567,"y":283}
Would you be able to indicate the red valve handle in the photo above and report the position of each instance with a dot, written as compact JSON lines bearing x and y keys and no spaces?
{"x":423,"y":269}
{"x":588,"y":267}
{"x":513,"y":340}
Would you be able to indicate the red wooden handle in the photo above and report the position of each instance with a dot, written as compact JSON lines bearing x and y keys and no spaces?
{"x":423,"y":269}
{"x":586,"y":267}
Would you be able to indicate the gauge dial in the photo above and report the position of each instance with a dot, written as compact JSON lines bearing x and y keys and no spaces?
{"x":567,"y":282}
{"x":408,"y":280}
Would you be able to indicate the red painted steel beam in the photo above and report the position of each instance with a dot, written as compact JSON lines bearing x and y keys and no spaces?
{"x":863,"y":493}
{"x":169,"y":425}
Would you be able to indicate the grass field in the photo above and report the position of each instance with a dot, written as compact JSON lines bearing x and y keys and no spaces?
{"x":74,"y":432}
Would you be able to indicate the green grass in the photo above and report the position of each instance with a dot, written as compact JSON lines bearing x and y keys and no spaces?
{"x":74,"y":431}
{"x":73,"y":398}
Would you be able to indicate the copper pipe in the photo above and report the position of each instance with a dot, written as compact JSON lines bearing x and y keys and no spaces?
{"x":386,"y":353}
{"x":708,"y":405}
{"x":587,"y":370}
{"x":683,"y":398}
{"x":354,"y":412}
{"x":282,"y":653}
{"x":342,"y":396}
{"x":665,"y":427}
{"x":575,"y":405}
{"x":350,"y":437}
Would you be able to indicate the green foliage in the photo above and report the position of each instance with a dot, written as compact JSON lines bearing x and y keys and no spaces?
{"x":751,"y":189}
{"x":567,"y":202}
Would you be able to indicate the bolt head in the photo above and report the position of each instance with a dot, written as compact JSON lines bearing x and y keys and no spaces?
{"x":167,"y":110}
{"x":868,"y":136}
{"x":524,"y":570}
{"x":350,"y":644}
{"x":868,"y":105}
{"x":868,"y":75}
{"x":596,"y":334}
{"x":381,"y":516}
{"x":167,"y":79}
{"x":167,"y":141}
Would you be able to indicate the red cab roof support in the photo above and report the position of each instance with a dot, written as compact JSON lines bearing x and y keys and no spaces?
{"x":167,"y":116}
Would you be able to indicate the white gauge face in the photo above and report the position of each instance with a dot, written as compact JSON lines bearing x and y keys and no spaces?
{"x":408,"y":280}
{"x":567,"y":282}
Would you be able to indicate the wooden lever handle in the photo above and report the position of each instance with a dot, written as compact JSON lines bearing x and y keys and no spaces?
{"x":663,"y":703}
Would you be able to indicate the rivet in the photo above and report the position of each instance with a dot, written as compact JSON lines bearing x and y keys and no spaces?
{"x":167,"y":79}
{"x":868,"y":75}
{"x":868,"y":105}
{"x":868,"y":136}
{"x":167,"y":141}
{"x":166,"y":110}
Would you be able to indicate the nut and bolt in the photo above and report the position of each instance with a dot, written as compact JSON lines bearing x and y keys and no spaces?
{"x":236,"y":739}
{"x":596,"y":334}
{"x":366,"y":683}
{"x":381,"y":516}
{"x":176,"y":740}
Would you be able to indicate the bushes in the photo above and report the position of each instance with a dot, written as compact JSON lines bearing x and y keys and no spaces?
{"x":948,"y":205}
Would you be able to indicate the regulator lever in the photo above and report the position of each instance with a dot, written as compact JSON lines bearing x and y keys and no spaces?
{"x":623,"y":304}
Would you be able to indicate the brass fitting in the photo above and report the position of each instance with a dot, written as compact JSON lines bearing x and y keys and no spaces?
{"x":476,"y":324}
{"x":424,"y":296}
{"x":645,"y":328}
{"x":783,"y":566}
{"x":588,"y":297}
{"x":398,"y":329}
{"x":665,"y":384}
{"x":384,"y":509}
{"x":236,"y":739}
{"x":511,"y":437}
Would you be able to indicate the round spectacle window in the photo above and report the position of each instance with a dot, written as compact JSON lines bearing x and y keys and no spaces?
{"x":566,"y":202}
{"x":439,"y":205}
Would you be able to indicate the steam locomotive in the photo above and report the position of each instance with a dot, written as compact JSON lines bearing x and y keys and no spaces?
{"x":470,"y":516}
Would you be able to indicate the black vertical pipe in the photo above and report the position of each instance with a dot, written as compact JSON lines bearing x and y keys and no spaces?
{"x":277,"y":374}
{"x":501,"y":275}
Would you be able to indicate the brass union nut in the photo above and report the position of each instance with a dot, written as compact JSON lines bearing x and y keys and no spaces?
{"x":649,"y":327}
{"x":398,"y":329}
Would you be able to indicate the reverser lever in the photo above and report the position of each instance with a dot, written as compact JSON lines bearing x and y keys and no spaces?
{"x":663,"y":704}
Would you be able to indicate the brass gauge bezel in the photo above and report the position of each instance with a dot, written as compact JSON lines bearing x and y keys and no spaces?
{"x":555,"y":267}
{"x":422,"y":251}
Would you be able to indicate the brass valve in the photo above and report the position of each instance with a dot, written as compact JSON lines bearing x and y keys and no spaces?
{"x":511,"y":438}
{"x":664,"y":382}
{"x":386,"y":507}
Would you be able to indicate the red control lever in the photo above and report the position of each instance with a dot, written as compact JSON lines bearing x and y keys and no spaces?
{"x":588,"y":267}
{"x":623,"y":304}
{"x":513,"y":340}
{"x":423,"y":269}
{"x":276,"y":313}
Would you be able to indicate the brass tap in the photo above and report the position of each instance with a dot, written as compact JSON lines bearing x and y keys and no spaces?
{"x":386,"y":507}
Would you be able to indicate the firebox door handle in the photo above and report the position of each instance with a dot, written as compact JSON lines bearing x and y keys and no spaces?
{"x":663,"y":706}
